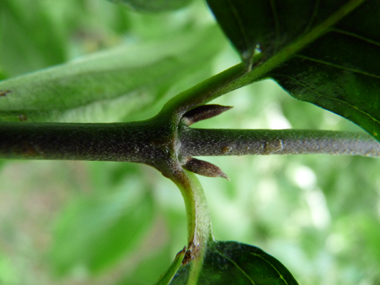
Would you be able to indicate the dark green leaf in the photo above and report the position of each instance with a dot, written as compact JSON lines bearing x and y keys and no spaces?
{"x":324,"y":52}
{"x":341,"y":71}
{"x":94,"y":233}
{"x":108,"y":85}
{"x":153,"y":5}
{"x":237,"y":263}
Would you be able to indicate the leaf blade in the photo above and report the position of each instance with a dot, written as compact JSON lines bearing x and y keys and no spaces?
{"x":237,"y":263}
{"x":340,"y":79}
{"x":345,"y":80}
{"x":127,"y":78}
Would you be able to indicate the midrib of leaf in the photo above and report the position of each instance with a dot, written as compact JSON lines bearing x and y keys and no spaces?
{"x":271,"y":265}
{"x":237,"y":266}
{"x":338,"y":66}
{"x":356,"y":36}
{"x":261,"y":70}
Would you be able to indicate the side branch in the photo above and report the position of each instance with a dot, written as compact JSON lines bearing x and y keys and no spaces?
{"x":222,"y":142}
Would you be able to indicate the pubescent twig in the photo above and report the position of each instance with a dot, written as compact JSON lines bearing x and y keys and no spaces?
{"x":145,"y":142}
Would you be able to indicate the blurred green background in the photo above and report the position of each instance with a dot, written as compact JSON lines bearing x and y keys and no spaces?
{"x":64,"y":222}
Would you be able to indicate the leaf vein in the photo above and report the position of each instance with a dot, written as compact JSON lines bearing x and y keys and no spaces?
{"x":237,"y":266}
{"x":237,"y":18}
{"x":292,"y":49}
{"x":276,"y":21}
{"x":333,"y":99}
{"x":338,"y":66}
{"x":356,"y":36}
{"x":314,"y":15}
{"x":267,"y":261}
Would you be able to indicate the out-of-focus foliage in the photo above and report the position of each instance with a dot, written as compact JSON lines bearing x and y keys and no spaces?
{"x":112,"y":223}
{"x":111,"y":85}
{"x":319,"y":215}
{"x":139,"y":64}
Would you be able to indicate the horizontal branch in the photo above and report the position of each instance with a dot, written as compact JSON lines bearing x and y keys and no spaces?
{"x":133,"y":142}
{"x":150,"y":143}
{"x":222,"y":142}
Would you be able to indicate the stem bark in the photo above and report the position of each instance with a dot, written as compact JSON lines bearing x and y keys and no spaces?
{"x":150,"y":143}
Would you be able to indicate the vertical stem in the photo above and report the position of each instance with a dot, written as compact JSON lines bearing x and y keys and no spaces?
{"x":198,"y":216}
{"x":198,"y":221}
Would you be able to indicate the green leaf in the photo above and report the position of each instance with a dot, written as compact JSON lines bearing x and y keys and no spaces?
{"x":324,"y":52}
{"x":237,"y":263}
{"x":153,"y":5}
{"x":93,"y":233}
{"x":108,"y":85}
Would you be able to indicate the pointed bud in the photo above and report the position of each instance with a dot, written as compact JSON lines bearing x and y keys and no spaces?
{"x":204,"y":168}
{"x":203,"y":112}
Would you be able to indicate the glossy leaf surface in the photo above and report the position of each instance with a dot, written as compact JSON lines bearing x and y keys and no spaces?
{"x":107,"y":84}
{"x":323,"y":52}
{"x":237,"y":263}
{"x":153,"y":5}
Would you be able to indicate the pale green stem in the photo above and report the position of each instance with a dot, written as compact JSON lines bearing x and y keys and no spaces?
{"x":199,"y":222}
{"x":198,"y":219}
